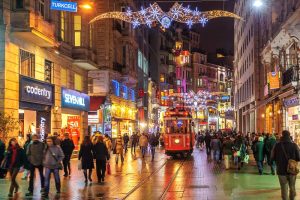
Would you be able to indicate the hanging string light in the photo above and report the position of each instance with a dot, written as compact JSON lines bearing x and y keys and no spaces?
{"x":177,"y":13}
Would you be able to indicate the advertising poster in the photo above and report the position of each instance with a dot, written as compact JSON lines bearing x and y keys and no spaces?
{"x":74,"y":129}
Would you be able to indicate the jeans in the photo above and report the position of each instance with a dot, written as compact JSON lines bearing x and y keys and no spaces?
{"x":133,"y":145}
{"x":100,"y":169}
{"x":32,"y":175}
{"x":273,"y":167}
{"x":47,"y":179}
{"x":152,"y":152}
{"x":66,"y":163}
{"x":14,"y":185}
{"x":144,"y":149}
{"x":260,"y":166}
{"x":216,"y":155}
{"x":285,"y":182}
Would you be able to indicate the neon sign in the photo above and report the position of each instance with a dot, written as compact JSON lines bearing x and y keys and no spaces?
{"x":64,"y":6}
{"x":74,"y":99}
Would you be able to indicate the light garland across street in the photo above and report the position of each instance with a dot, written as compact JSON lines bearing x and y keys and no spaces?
{"x":153,"y":13}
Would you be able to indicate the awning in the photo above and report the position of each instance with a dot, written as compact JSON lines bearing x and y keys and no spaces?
{"x":96,"y":102}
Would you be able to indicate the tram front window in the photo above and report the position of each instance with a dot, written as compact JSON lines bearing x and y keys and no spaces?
{"x":177,"y":126}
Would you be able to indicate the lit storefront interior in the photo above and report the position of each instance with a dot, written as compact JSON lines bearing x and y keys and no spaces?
{"x":292,"y":115}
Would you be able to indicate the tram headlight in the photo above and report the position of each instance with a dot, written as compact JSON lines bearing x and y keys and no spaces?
{"x":176,"y":141}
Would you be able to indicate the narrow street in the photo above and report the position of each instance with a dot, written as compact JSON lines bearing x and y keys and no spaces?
{"x":165,"y":178}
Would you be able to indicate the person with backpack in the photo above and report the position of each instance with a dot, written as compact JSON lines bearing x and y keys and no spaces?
{"x":35,"y":157}
{"x":67,"y":146}
{"x":153,"y":141}
{"x":286,"y":156}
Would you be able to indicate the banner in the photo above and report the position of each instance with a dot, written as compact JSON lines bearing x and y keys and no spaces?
{"x":274,"y":81}
{"x":74,"y":129}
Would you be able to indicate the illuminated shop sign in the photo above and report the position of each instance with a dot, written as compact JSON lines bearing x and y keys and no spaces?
{"x":122,"y":91}
{"x":74,"y":99}
{"x":64,"y":6}
{"x":291,"y":102}
{"x":43,"y":120}
{"x":35,"y":91}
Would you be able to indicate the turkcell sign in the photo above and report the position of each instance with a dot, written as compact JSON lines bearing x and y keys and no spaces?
{"x":74,"y":99}
{"x":64,"y":6}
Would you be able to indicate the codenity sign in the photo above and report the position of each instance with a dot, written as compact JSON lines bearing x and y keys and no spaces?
{"x":35,"y":91}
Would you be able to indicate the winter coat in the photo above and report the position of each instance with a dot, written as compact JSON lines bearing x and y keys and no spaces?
{"x":67,"y":145}
{"x":100,"y":151}
{"x":259,"y":151}
{"x":207,"y":139}
{"x":126,"y":139}
{"x":119,"y":145}
{"x":53,"y":156}
{"x":86,"y":156}
{"x":153,"y":141}
{"x":143,"y":142}
{"x":292,"y":151}
{"x":26,"y":161}
{"x":19,"y":160}
{"x":227,"y":147}
{"x":134,"y":139}
{"x":107,"y":143}
{"x":35,"y":153}
{"x":215,"y":144}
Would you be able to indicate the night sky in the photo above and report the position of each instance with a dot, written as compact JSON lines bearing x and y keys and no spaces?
{"x":218,"y":33}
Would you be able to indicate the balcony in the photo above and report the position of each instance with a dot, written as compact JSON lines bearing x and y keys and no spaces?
{"x":84,"y":58}
{"x":290,"y":75}
{"x":32,"y":27}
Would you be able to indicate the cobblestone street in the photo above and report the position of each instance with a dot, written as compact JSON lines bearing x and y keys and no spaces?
{"x":165,"y":178}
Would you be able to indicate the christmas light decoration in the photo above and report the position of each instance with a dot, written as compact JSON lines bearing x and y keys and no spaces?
{"x":176,"y":13}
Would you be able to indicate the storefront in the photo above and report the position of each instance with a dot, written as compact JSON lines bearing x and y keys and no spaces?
{"x":36,"y":100}
{"x":292,"y":107}
{"x":75,"y":106}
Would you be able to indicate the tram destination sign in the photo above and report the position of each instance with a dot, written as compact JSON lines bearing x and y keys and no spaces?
{"x":64,"y":6}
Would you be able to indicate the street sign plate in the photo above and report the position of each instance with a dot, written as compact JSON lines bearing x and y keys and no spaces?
{"x":64,"y":6}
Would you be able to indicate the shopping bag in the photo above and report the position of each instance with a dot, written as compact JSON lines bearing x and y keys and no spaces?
{"x":79,"y":165}
{"x":246,"y":159}
{"x":108,"y":169}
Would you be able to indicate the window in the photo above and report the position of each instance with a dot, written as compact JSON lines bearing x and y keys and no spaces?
{"x":221,"y":77}
{"x":63,"y":77}
{"x":19,"y":4}
{"x":162,"y":78}
{"x":77,"y":30}
{"x":27,"y":63}
{"x":42,"y":7}
{"x":78,"y":82}
{"x":48,"y":71}
{"x":62,"y":26}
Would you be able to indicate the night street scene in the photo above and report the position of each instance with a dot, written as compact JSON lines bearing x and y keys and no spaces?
{"x":149,"y":99}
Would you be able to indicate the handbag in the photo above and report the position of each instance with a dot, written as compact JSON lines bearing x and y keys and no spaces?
{"x":60,"y":166}
{"x":108,"y":169}
{"x":292,"y":167}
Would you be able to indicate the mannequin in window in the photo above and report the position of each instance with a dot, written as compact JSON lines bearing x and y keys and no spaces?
{"x":32,"y":129}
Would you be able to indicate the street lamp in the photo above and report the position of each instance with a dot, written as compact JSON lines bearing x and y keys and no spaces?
{"x":258,"y":3}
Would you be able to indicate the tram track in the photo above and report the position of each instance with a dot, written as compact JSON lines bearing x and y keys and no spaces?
{"x":148,"y":178}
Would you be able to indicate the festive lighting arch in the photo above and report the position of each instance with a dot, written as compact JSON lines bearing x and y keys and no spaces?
{"x":178,"y":13}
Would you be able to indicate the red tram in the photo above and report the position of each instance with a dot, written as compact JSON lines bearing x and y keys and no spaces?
{"x":179,"y":136}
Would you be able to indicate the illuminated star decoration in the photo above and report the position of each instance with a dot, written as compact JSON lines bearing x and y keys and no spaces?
{"x":176,"y":13}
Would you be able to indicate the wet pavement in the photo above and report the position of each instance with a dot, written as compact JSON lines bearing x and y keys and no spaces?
{"x":165,"y":178}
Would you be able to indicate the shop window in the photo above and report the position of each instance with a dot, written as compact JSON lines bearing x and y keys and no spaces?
{"x":48,"y":71}
{"x":63,"y":77}
{"x":77,"y":30}
{"x":42,"y":7}
{"x":78,"y":82}
{"x":62,"y":25}
{"x":19,"y":4}
{"x":27,"y":63}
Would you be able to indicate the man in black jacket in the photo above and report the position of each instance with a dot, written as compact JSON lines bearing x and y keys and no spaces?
{"x":281,"y":153}
{"x":101,"y":155}
{"x":67,"y":146}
